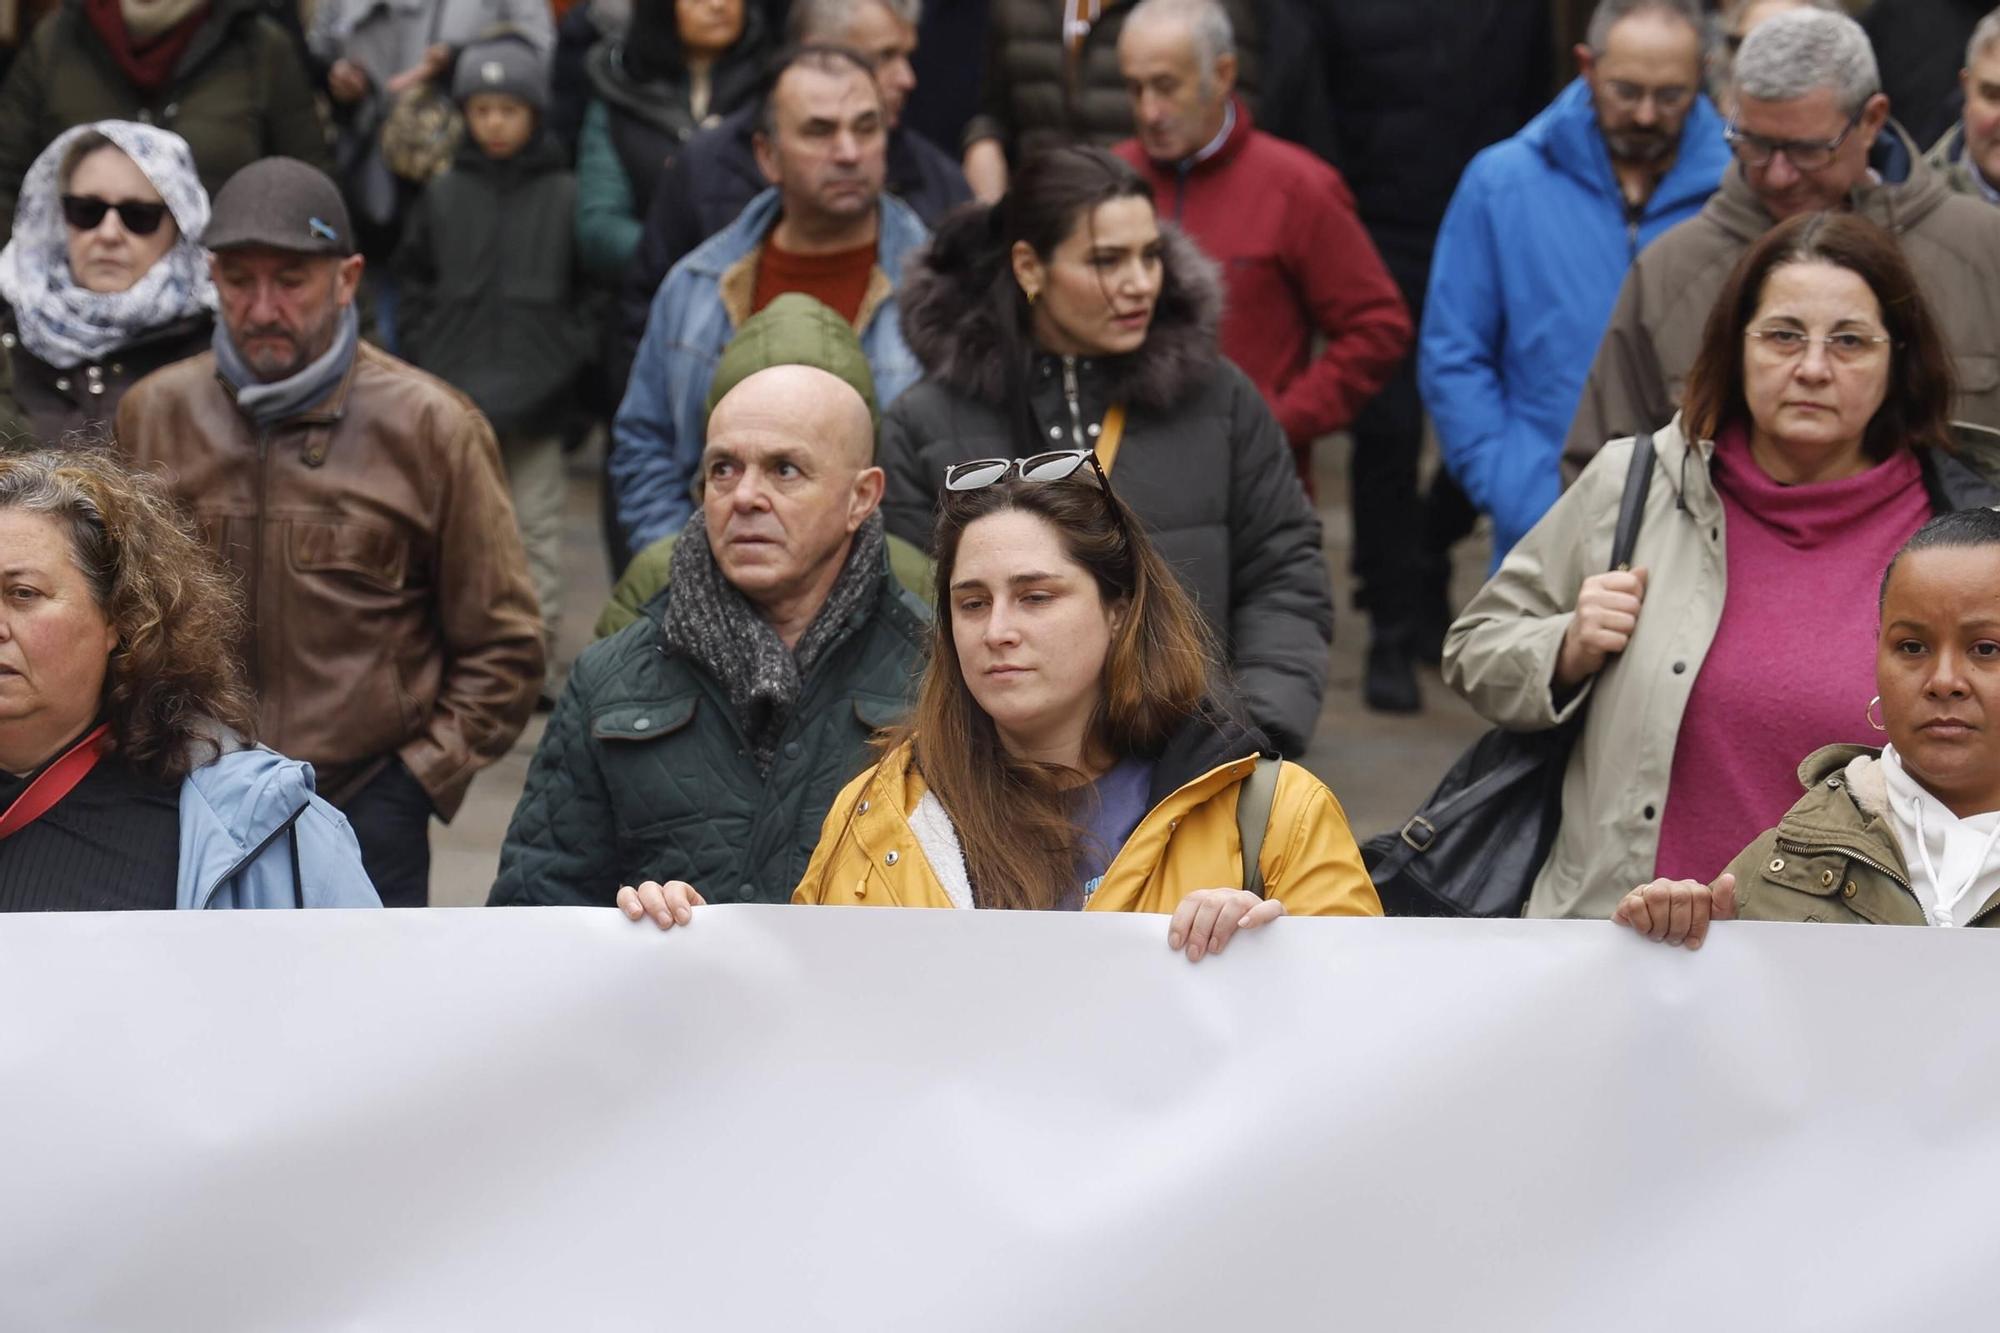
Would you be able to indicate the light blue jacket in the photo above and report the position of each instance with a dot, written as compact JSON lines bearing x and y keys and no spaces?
{"x":657,"y":436}
{"x":1527,"y":269}
{"x":249,"y":821}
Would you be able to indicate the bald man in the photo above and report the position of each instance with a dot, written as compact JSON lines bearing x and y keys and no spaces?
{"x":705,"y":741}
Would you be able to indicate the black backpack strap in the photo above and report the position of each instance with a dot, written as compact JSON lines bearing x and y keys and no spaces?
{"x":1632,"y":506}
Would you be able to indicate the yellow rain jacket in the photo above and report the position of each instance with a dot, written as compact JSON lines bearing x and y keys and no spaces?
{"x":869,"y":854}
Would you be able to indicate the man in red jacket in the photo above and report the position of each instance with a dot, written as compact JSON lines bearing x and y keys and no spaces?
{"x":1296,"y":262}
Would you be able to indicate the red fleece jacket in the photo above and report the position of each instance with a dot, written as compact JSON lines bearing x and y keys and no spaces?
{"x":1296,"y":261}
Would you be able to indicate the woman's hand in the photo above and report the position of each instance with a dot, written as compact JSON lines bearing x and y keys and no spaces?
{"x":347,"y":81}
{"x":670,"y":904}
{"x":1208,"y":917}
{"x":1607,"y":610}
{"x":433,"y":64}
{"x":1677,"y":911}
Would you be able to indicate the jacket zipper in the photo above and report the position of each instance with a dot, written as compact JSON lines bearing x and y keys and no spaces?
{"x":257,"y":557}
{"x":1809,"y":849}
{"x":1075,"y":407}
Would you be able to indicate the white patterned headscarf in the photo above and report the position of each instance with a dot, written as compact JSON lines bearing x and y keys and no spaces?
{"x":62,"y":322}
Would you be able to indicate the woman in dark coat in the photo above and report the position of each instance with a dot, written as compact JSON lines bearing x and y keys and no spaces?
{"x":1067,"y":317}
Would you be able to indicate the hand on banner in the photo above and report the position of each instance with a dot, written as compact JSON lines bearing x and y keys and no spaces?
{"x":1677,"y":911}
{"x":669,"y":905}
{"x":1208,"y":917}
{"x":1607,"y":611}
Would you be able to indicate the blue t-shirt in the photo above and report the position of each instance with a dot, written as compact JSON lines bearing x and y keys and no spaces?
{"x":1107,"y":811}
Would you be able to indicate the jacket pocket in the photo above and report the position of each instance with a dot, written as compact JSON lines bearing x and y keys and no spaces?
{"x":372,"y":556}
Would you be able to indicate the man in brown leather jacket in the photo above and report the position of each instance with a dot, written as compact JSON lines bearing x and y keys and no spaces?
{"x":394,"y":640}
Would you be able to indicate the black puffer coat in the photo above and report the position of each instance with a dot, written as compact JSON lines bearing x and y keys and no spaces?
{"x":644,"y":773}
{"x":48,"y":405}
{"x":1203,"y":463}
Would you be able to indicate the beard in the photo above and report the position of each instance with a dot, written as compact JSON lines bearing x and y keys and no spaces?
{"x":1642,"y":147}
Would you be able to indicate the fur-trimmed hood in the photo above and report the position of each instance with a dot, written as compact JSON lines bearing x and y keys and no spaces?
{"x":949,"y":321}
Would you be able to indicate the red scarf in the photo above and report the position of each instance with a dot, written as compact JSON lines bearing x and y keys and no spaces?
{"x":148,"y":66}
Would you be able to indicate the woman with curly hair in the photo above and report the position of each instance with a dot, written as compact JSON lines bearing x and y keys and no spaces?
{"x":127,"y":779}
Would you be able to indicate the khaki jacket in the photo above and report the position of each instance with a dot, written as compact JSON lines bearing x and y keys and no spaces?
{"x":1947,"y":159}
{"x":1834,"y":856}
{"x":390,"y":611}
{"x":870,"y":856}
{"x":1952,"y":242}
{"x":1501,"y":653}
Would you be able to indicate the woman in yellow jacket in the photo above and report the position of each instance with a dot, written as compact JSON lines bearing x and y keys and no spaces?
{"x":1067,"y":750}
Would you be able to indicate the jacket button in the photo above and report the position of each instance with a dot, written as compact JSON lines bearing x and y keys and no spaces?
{"x":1648,"y":812}
{"x":791,"y":749}
{"x":7,"y":340}
{"x":1055,"y":432}
{"x":1680,"y":668}
{"x":1777,"y":864}
{"x":1847,"y":889}
{"x":642,"y":724}
{"x":1825,"y":878}
{"x":861,"y":809}
{"x":1094,"y":428}
{"x":891,"y":859}
{"x":747,"y":892}
{"x":97,"y":386}
{"x":63,"y":384}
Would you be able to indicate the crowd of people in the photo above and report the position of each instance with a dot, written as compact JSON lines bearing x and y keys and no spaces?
{"x":959,"y":489}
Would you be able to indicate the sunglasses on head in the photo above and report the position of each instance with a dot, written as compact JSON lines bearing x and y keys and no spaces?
{"x":1057,"y":465}
{"x":86,"y":211}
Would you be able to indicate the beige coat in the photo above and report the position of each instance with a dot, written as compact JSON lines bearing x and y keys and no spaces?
{"x":1953,"y":243}
{"x":1501,"y":653}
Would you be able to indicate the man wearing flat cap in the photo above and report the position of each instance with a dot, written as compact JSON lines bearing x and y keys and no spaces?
{"x":394,"y":641}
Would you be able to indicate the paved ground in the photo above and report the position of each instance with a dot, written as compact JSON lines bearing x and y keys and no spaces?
{"x":1379,"y":766}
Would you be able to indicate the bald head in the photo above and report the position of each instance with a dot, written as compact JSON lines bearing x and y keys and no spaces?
{"x":788,"y":476}
{"x":819,"y":409}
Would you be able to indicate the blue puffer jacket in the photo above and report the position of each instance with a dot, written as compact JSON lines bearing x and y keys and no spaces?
{"x":254,"y":835}
{"x":1528,"y":265}
{"x":657,"y":436}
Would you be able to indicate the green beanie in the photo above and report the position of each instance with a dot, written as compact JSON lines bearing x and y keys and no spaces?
{"x":795,"y":330}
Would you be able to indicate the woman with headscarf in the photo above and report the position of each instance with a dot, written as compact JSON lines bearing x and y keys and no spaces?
{"x":104,"y":280}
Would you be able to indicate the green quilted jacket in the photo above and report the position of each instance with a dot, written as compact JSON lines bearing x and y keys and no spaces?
{"x":643,"y":772}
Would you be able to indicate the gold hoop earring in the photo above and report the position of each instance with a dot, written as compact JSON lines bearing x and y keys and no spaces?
{"x":1869,"y":713}
{"x":1032,"y":297}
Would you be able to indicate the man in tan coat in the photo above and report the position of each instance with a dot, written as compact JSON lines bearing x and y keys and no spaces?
{"x":393,"y":639}
{"x":1812,"y":131}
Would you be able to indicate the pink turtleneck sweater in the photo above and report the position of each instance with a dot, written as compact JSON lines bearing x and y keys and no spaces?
{"x":1792,"y":666}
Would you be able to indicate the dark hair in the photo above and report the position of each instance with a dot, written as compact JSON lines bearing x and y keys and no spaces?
{"x":1961,"y":529}
{"x":83,"y":146}
{"x":822,"y":56}
{"x":1917,"y":410}
{"x":1015,"y":818}
{"x":175,"y":673}
{"x":1054,"y":192}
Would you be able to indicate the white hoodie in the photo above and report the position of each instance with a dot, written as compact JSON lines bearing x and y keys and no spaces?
{"x":1954,"y":863}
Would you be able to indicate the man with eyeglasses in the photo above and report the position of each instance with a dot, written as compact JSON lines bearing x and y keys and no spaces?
{"x":1811,"y":132}
{"x":1538,"y":237}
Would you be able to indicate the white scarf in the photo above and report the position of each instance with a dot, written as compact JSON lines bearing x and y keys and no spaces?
{"x":1952,"y":861}
{"x":67,"y":325}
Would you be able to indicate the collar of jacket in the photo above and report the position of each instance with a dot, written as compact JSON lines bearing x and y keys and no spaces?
{"x":1903,"y":192}
{"x":1567,"y":137}
{"x":662,"y":103}
{"x":730,"y":256}
{"x":879,"y":821}
{"x":950,"y":325}
{"x":1239,"y":135}
{"x":538,"y":157}
{"x":322,"y":415}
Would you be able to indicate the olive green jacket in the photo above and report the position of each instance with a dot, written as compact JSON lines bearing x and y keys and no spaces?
{"x":1834,"y":856}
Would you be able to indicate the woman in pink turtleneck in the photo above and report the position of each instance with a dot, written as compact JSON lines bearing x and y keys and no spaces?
{"x":1814,"y":439}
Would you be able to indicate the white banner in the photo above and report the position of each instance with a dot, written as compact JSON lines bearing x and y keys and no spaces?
{"x":811,"y":1119}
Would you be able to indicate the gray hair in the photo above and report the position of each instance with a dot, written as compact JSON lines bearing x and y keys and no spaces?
{"x":1610,"y":13}
{"x":814,"y":21}
{"x":1983,"y":36}
{"x":1788,"y":56}
{"x":1207,"y":21}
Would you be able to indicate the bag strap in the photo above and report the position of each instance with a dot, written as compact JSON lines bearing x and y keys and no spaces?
{"x":1632,"y":507}
{"x":58,"y":780}
{"x":1253,"y":817}
{"x":1110,"y":434}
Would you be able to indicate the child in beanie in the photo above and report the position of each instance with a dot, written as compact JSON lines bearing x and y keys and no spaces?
{"x":490,"y":287}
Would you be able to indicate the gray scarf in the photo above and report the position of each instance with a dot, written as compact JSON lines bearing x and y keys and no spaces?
{"x":268,"y":404}
{"x":708,"y":621}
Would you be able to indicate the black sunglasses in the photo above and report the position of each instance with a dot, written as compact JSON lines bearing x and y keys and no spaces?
{"x":1057,"y":465}
{"x":86,"y":211}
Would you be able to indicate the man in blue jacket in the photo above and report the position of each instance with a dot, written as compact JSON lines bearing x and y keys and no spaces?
{"x":825,"y":228}
{"x":1537,"y":241}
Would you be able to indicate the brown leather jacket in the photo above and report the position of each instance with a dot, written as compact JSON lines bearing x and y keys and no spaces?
{"x":390,"y":608}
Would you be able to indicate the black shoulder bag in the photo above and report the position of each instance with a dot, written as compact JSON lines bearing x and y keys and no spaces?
{"x":1475,"y":846}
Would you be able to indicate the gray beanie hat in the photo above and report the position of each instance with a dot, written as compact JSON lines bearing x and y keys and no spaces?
{"x":502,"y":64}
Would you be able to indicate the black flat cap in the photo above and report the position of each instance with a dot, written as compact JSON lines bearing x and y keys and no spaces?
{"x":283,"y":203}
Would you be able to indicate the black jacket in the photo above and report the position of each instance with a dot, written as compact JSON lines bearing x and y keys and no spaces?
{"x":1203,"y":463}
{"x":50,"y":406}
{"x":1920,"y":46}
{"x":644,"y":772}
{"x":651,"y":119}
{"x":716,"y":174}
{"x":488,"y":270}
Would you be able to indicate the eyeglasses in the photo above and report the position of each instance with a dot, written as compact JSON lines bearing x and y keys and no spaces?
{"x":1630,"y":95}
{"x":1792,"y":344}
{"x":1754,"y":150}
{"x":85,"y":212}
